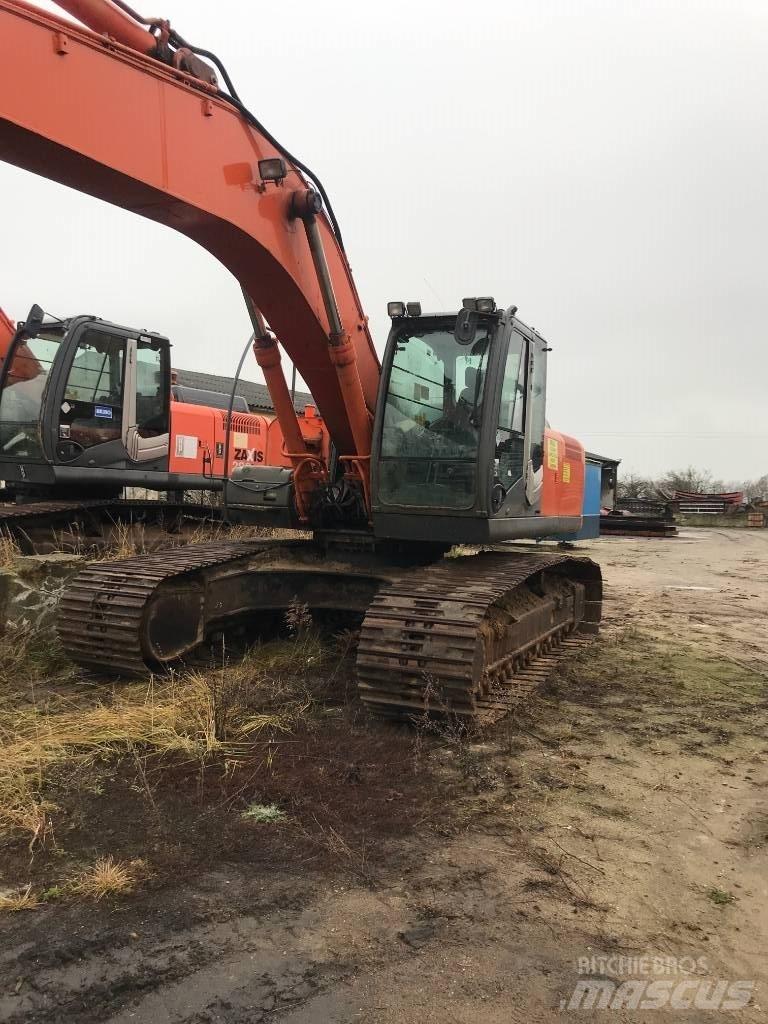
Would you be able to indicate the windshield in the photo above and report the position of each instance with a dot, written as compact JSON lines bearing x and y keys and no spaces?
{"x":30,"y":362}
{"x":432,"y":417}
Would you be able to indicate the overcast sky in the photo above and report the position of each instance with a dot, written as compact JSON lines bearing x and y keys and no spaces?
{"x":602,"y":165}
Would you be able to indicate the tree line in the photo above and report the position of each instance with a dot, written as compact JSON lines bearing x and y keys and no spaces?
{"x":699,"y":481}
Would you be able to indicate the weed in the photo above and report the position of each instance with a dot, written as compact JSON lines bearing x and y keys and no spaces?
{"x":298,"y":618}
{"x":475,"y":769}
{"x":127,"y":540}
{"x":721,"y":897}
{"x":263,"y":813}
{"x":438,"y":721}
{"x":355,"y":856}
{"x":52,"y":894}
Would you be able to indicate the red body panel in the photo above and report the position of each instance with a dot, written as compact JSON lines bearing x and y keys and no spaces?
{"x":563,"y":491}
{"x":198,"y":439}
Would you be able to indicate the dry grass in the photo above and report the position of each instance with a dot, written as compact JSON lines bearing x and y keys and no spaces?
{"x":29,"y":657}
{"x":261,"y":759}
{"x":9,"y":550}
{"x":210,"y":533}
{"x":198,"y":716}
{"x":24,"y":811}
{"x":24,"y":899}
{"x":107,"y":877}
{"x":214,"y":732}
{"x":128,"y":540}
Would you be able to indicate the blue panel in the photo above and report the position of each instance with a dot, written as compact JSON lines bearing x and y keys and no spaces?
{"x":593,"y":475}
{"x":590,"y":528}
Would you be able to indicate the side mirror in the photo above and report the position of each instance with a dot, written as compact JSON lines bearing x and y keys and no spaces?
{"x":34,"y":320}
{"x":466,"y":326}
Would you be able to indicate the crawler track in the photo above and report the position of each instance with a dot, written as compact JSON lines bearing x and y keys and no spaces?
{"x":106,"y":614}
{"x":125,"y":617}
{"x":460,"y":635}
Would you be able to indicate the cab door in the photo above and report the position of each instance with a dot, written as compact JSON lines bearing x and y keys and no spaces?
{"x":89,"y":414}
{"x":535,"y":421}
{"x":519,"y":449}
{"x":147,"y":394}
{"x":114,"y":403}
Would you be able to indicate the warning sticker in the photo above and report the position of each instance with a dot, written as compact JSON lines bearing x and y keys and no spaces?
{"x":566,"y":472}
{"x":552,"y":453}
{"x":239,"y":440}
{"x":186,"y":447}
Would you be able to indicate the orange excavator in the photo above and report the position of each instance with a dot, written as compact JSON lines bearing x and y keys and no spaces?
{"x":75,"y":420}
{"x":445,"y":443}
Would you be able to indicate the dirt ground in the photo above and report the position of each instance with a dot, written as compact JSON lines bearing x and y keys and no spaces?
{"x":623,"y":814}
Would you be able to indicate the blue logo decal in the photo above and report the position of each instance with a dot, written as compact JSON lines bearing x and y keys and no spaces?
{"x":103,"y":412}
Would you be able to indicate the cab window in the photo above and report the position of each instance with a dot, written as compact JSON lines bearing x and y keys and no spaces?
{"x":538,"y":411}
{"x":432,"y":416}
{"x":510,"y":431}
{"x":92,"y":409}
{"x":21,"y":402}
{"x":151,"y":392}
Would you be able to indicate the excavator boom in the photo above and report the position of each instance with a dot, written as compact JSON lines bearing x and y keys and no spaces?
{"x":106,"y":119}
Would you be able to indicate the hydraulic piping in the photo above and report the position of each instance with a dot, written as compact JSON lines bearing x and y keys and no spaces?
{"x":305,"y":205}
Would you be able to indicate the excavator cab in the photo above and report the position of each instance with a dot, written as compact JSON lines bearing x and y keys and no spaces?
{"x":81,"y":402}
{"x":461,"y":451}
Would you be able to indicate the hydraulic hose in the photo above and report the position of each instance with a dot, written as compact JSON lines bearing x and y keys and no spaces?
{"x":228,"y":434}
{"x":232,"y":97}
{"x":255,"y":123}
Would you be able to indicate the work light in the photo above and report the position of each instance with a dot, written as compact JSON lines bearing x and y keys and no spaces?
{"x":272,"y":169}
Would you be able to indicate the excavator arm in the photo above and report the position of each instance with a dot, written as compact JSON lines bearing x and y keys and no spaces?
{"x":126,"y":113}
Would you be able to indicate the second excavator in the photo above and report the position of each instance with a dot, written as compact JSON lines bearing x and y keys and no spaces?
{"x":443,"y":444}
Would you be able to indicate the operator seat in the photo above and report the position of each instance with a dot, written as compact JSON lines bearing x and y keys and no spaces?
{"x":471,"y":386}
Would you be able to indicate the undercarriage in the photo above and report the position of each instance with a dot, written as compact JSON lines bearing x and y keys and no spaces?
{"x":453,"y":637}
